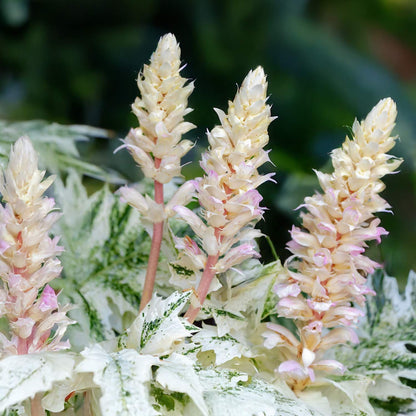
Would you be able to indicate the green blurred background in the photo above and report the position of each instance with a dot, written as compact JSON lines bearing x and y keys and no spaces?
{"x":327,"y":61}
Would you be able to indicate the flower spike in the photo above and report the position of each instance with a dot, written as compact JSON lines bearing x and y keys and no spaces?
{"x":328,"y":268}
{"x":28,"y":259}
{"x":227,"y":193}
{"x":156,"y":144}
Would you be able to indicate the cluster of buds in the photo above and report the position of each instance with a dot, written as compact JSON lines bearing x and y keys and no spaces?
{"x":227,"y":193}
{"x":28,"y":258}
{"x":327,"y":270}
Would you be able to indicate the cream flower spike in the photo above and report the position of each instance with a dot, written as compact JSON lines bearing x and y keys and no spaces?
{"x":238,"y":143}
{"x":156,"y":145}
{"x":28,"y":257}
{"x":227,"y":193}
{"x":327,"y":270}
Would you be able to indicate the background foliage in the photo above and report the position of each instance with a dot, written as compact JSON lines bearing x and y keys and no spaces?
{"x":327,"y":62}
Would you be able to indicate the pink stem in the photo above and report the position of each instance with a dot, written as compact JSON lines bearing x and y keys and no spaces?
{"x":36,"y":408}
{"x":87,"y":406}
{"x":206,"y":279}
{"x":22,"y":347}
{"x":149,"y":282}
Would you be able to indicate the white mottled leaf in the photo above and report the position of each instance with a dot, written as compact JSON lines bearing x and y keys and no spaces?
{"x":244,"y":297}
{"x":225,"y":347}
{"x":17,"y":410}
{"x":110,"y":305}
{"x":387,"y":351}
{"x":158,"y":326}
{"x":389,"y":308}
{"x":345,"y":396}
{"x":54,"y":400}
{"x":105,"y":261}
{"x":56,"y":145}
{"x":123,"y":378}
{"x":22,"y":376}
{"x":177,"y":374}
{"x":230,"y":393}
{"x":389,"y":386}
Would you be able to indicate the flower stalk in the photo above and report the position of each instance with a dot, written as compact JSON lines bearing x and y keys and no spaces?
{"x":327,"y":270}
{"x":203,"y":288}
{"x":157,"y":237}
{"x":36,"y":408}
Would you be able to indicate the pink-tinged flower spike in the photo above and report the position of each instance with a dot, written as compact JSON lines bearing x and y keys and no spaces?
{"x":327,"y":270}
{"x":156,"y":145}
{"x":227,"y":193}
{"x":28,"y":259}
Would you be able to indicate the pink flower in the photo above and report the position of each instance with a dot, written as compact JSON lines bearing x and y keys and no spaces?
{"x":48,"y":300}
{"x":4,"y":245}
{"x":235,"y":256}
{"x":284,"y":290}
{"x":322,"y":257}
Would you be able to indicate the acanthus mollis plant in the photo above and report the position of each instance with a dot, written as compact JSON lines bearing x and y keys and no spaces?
{"x":134,"y":352}
{"x":326,"y":273}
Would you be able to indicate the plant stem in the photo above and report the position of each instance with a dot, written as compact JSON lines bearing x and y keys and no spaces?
{"x":271,"y":245}
{"x":205,"y":283}
{"x":86,"y":406}
{"x":149,"y":282}
{"x":22,"y":346}
{"x":36,"y":408}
